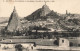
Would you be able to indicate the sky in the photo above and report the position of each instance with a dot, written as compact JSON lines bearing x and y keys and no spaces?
{"x":26,"y":8}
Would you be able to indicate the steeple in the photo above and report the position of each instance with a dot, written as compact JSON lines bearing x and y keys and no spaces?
{"x":45,"y":2}
{"x":66,"y":12}
{"x":14,"y":8}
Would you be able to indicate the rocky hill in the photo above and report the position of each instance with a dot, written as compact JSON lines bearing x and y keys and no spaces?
{"x":42,"y":13}
{"x":63,"y":21}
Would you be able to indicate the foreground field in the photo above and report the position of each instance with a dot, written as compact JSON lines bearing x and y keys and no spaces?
{"x":40,"y":50}
{"x":46,"y":42}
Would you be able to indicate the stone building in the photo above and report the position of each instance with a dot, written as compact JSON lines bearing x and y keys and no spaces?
{"x":63,"y":42}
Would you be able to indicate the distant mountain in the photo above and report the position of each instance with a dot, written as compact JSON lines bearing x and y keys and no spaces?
{"x":3,"y":20}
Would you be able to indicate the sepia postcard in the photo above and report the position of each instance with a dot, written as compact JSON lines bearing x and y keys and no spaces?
{"x":39,"y":25}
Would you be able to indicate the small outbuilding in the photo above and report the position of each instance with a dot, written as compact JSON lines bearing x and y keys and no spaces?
{"x":63,"y":42}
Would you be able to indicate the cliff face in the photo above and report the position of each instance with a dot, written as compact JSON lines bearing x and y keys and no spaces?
{"x":14,"y":22}
{"x":45,"y":10}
